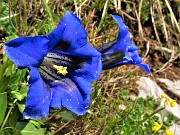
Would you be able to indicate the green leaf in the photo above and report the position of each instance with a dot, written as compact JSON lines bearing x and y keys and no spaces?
{"x":17,"y":95}
{"x":13,"y":117}
{"x":66,"y":116}
{"x":21,"y":74}
{"x":21,"y":94}
{"x":23,"y":91}
{"x":4,"y":84}
{"x":9,"y":131}
{"x":36,"y":123}
{"x":14,"y":78}
{"x":169,"y":121}
{"x":3,"y":66}
{"x":20,"y":125}
{"x":20,"y":106}
{"x":30,"y":129}
{"x":3,"y":106}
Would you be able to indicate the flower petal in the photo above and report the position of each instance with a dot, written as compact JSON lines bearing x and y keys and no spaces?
{"x":135,"y":58}
{"x":55,"y":37}
{"x":123,"y":39}
{"x":90,"y":71}
{"x":145,"y":67}
{"x":92,"y":65}
{"x":132,"y":47}
{"x":69,"y":33}
{"x":123,"y":43}
{"x":84,"y":86}
{"x":120,"y":23}
{"x":66,"y":93}
{"x":27,"y":51}
{"x":74,"y":41}
{"x":38,"y":97}
{"x":86,"y":51}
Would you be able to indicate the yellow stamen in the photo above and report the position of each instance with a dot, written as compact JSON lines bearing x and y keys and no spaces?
{"x":60,"y":69}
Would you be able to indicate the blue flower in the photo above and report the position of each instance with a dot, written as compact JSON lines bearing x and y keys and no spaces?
{"x":62,"y":66}
{"x":121,"y":51}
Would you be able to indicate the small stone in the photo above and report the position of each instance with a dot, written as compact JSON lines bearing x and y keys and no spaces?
{"x":122,"y":107}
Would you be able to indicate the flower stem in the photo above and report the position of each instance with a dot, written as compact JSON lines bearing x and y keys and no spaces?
{"x":139,"y":123}
{"x":160,"y":109}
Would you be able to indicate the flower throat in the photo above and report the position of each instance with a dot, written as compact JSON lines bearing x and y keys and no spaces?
{"x":56,"y":66}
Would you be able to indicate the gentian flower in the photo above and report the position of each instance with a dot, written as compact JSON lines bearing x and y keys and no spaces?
{"x":121,"y":51}
{"x":62,"y":66}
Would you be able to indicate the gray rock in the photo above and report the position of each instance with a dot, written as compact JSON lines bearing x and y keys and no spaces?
{"x":174,"y":87}
{"x":148,"y":87}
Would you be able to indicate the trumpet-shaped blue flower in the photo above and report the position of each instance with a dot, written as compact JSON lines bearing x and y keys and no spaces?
{"x":121,"y":51}
{"x":62,"y":66}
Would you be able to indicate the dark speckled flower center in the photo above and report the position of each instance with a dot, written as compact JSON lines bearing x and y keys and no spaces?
{"x":55,"y":66}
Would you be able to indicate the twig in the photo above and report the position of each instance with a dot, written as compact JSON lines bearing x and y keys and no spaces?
{"x":9,"y":112}
{"x":154,"y":25}
{"x":13,"y":16}
{"x":147,"y":50}
{"x":119,"y":4}
{"x":127,"y":15}
{"x":169,"y":63}
{"x":138,"y":15}
{"x":163,"y":49}
{"x":162,"y":18}
{"x":7,"y":17}
{"x":173,"y":16}
{"x":61,"y":127}
{"x":77,"y":8}
{"x":47,"y":120}
{"x":115,"y":4}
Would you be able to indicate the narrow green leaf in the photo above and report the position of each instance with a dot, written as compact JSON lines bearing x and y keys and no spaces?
{"x":3,"y":106}
{"x":21,"y":74}
{"x":13,"y":117}
{"x":49,"y":12}
{"x":4,"y":84}
{"x":14,"y":78}
{"x":106,"y":6}
{"x":3,"y":66}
